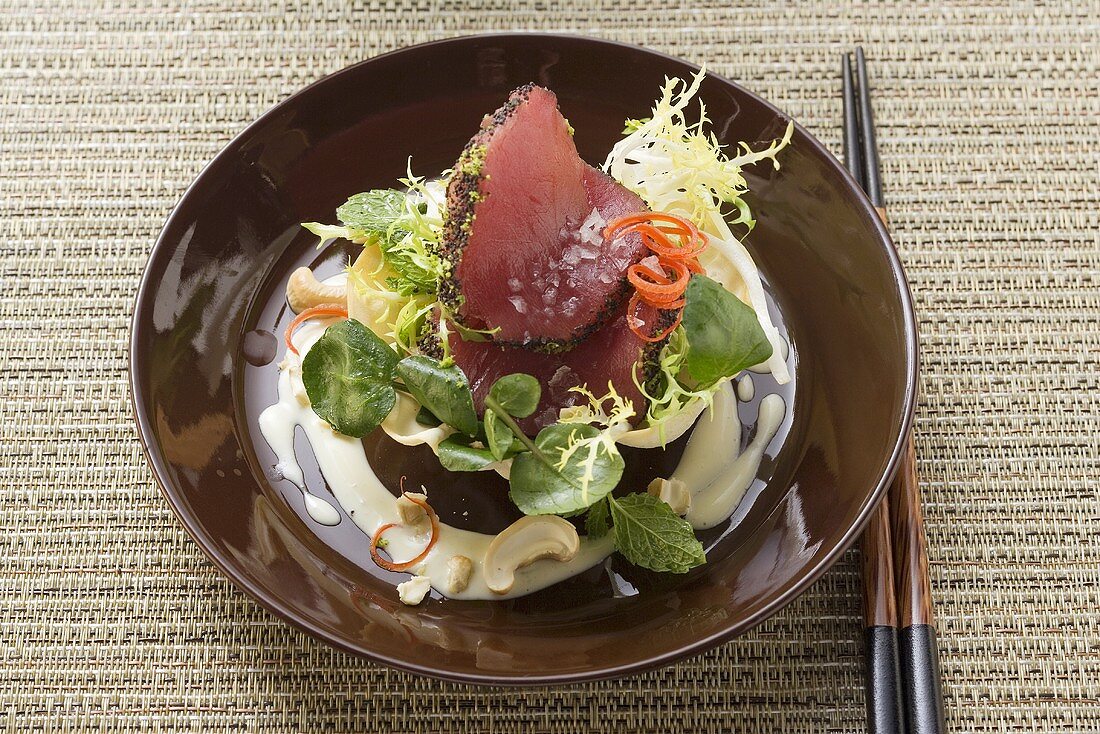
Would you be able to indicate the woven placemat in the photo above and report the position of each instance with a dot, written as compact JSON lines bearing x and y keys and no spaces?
{"x":989,"y":118}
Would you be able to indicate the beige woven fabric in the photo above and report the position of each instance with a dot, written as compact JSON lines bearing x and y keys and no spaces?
{"x":989,"y":118}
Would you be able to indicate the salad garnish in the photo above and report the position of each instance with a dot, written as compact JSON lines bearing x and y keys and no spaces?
{"x":376,"y":540}
{"x":661,"y":279}
{"x":696,"y":306}
{"x":649,"y":534}
{"x":324,"y":309}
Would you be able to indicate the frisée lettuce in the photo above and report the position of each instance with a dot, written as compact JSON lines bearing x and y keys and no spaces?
{"x":680,"y":168}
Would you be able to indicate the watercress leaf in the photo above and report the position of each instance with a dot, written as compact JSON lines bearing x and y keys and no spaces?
{"x":425,"y":417}
{"x":723,"y":334}
{"x":574,"y":466}
{"x":456,"y":454}
{"x":348,"y":376}
{"x":649,"y":534}
{"x":444,"y":391}
{"x":597,"y":522}
{"x":497,"y":435}
{"x":373,"y":212}
{"x":517,"y":393}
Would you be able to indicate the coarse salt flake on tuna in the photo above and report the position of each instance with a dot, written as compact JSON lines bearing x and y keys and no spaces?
{"x":524,"y":228}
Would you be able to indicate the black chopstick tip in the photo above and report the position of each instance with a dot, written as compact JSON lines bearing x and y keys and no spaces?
{"x":872,"y":176}
{"x":861,"y":62}
{"x":853,"y":155}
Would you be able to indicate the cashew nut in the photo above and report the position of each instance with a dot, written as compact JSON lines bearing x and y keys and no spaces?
{"x":672,"y":492}
{"x":303,"y":291}
{"x":525,"y":541}
{"x":410,"y":512}
{"x":459,"y":570}
{"x":413,"y":591}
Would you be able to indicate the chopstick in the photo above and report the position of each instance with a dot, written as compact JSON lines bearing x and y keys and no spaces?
{"x":882,"y":674}
{"x":904,"y":692}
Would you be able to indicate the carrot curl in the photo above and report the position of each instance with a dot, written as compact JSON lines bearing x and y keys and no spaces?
{"x":661,"y":279}
{"x":325,"y":309}
{"x":405,"y":565}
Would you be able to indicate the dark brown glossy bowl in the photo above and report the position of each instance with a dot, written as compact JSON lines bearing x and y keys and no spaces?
{"x":216,"y":275}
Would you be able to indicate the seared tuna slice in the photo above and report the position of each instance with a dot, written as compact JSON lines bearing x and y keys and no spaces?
{"x":523,"y":235}
{"x":609,"y":355}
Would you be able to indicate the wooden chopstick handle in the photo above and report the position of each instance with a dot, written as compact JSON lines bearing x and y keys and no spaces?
{"x":920,"y":662}
{"x":880,"y":608}
{"x":914,"y":588}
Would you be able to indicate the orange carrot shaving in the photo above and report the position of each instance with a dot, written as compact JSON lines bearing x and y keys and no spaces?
{"x":655,"y":287}
{"x":642,"y":217}
{"x":661,"y":279}
{"x":658,"y":242}
{"x":404,"y":565}
{"x":325,"y":309}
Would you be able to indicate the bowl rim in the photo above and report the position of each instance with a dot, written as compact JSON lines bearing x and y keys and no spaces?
{"x":275,"y":605}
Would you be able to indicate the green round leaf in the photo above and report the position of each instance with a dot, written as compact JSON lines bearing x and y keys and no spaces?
{"x":723,"y":334}
{"x":444,"y":391}
{"x":517,"y":393}
{"x":348,"y":376}
{"x":497,"y":435}
{"x":542,"y":485}
{"x":456,"y":454}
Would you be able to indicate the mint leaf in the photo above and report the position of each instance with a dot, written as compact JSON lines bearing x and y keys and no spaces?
{"x":444,"y":391}
{"x":373,"y":212}
{"x":348,"y":376}
{"x":723,"y":334}
{"x":517,"y":393}
{"x":497,"y":435}
{"x":570,"y":467}
{"x":400,"y":232}
{"x":649,"y":534}
{"x":456,"y":454}
{"x":597,"y":522}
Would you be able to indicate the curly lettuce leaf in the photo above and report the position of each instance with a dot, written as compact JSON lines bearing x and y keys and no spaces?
{"x":679,"y":167}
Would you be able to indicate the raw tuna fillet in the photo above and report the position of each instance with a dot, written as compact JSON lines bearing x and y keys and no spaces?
{"x":608,"y":355}
{"x":523,"y":235}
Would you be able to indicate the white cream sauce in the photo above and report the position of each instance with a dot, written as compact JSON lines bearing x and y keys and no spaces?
{"x":370,"y":505}
{"x":713,"y":501}
{"x":715,"y":476}
{"x":282,"y":443}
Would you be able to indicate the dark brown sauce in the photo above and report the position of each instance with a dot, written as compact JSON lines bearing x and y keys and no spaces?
{"x":478,"y":501}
